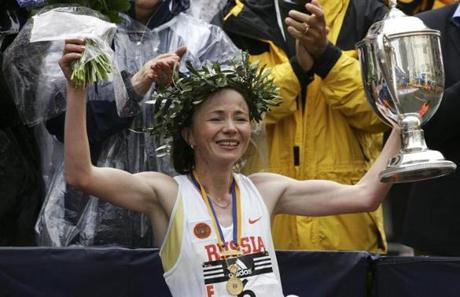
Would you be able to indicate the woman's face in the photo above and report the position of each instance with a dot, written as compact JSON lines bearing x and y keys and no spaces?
{"x":220,"y":129}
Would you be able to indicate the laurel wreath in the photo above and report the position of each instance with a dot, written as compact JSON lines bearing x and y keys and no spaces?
{"x":174,"y":105}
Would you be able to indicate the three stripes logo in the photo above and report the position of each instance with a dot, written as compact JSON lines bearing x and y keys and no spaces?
{"x":248,"y":266}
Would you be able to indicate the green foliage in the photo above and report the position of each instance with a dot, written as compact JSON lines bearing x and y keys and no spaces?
{"x":88,"y":70}
{"x":174,"y":105}
{"x":110,"y":8}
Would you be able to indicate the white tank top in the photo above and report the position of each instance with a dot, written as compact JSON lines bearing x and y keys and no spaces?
{"x":189,"y":253}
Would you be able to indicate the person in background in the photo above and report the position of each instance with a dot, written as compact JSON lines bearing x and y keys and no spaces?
{"x":431,"y":223}
{"x":324,"y":128}
{"x":21,"y":185}
{"x":210,"y":218}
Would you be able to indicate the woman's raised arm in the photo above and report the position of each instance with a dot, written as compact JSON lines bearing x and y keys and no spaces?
{"x":141,"y":191}
{"x":320,"y":197}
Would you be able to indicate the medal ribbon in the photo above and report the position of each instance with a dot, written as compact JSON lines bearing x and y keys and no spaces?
{"x":236,"y":212}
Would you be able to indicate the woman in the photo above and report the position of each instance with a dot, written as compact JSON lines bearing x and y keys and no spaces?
{"x":215,"y":224}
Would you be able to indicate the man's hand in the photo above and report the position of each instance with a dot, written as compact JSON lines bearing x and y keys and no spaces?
{"x":159,"y":69}
{"x":310,"y":30}
{"x":304,"y":58}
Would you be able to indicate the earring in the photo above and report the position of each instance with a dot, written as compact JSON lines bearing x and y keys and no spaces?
{"x":192,"y":146}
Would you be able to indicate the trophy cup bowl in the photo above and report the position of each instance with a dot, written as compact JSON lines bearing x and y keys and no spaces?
{"x":403,"y":77}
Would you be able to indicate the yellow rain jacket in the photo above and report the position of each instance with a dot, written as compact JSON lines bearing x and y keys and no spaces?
{"x":332,"y":134}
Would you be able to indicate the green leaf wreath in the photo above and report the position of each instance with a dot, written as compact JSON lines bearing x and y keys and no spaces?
{"x":174,"y":105}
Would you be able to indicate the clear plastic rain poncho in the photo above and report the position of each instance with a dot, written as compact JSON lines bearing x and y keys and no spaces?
{"x":9,"y":24}
{"x":69,"y":217}
{"x":30,"y":63}
{"x":206,"y":9}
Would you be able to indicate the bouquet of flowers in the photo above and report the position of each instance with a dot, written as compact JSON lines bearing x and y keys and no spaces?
{"x":87,"y":70}
{"x":95,"y":63}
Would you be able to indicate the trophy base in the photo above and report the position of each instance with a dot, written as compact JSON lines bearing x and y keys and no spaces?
{"x":416,"y":166}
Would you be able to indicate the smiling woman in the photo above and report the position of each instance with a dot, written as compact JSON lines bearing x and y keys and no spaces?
{"x":220,"y":129}
{"x":176,"y":104}
{"x":210,"y":248}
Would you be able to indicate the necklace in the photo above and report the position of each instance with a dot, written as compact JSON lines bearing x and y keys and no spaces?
{"x":234,"y":284}
{"x":223,"y":206}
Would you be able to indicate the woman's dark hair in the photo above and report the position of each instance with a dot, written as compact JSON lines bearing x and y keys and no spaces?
{"x":182,"y":155}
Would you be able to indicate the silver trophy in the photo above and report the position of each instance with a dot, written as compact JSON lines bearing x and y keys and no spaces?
{"x":403,"y":76}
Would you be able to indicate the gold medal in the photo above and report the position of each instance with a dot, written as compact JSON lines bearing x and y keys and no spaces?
{"x":234,"y":286}
{"x":233,"y":269}
{"x":230,"y":253}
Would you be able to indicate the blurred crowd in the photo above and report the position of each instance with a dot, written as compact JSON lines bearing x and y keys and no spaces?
{"x":323,"y":128}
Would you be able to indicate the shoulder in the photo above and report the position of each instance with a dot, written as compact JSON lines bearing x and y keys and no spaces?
{"x":437,"y":17}
{"x":374,"y":10}
{"x":366,"y":12}
{"x":360,"y":15}
{"x":153,"y":176}
{"x":161,"y":184}
{"x":262,"y":177}
{"x":199,"y":35}
{"x":271,"y":187}
{"x":206,"y":31}
{"x":187,"y":22}
{"x":254,"y":179}
{"x":269,"y":182}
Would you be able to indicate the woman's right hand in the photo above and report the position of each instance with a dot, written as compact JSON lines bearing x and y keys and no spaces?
{"x":73,"y":50}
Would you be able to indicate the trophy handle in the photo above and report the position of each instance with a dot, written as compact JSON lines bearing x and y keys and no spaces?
{"x":387,"y":66}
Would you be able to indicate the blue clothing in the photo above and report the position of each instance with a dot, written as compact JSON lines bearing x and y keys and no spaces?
{"x":456,"y":16}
